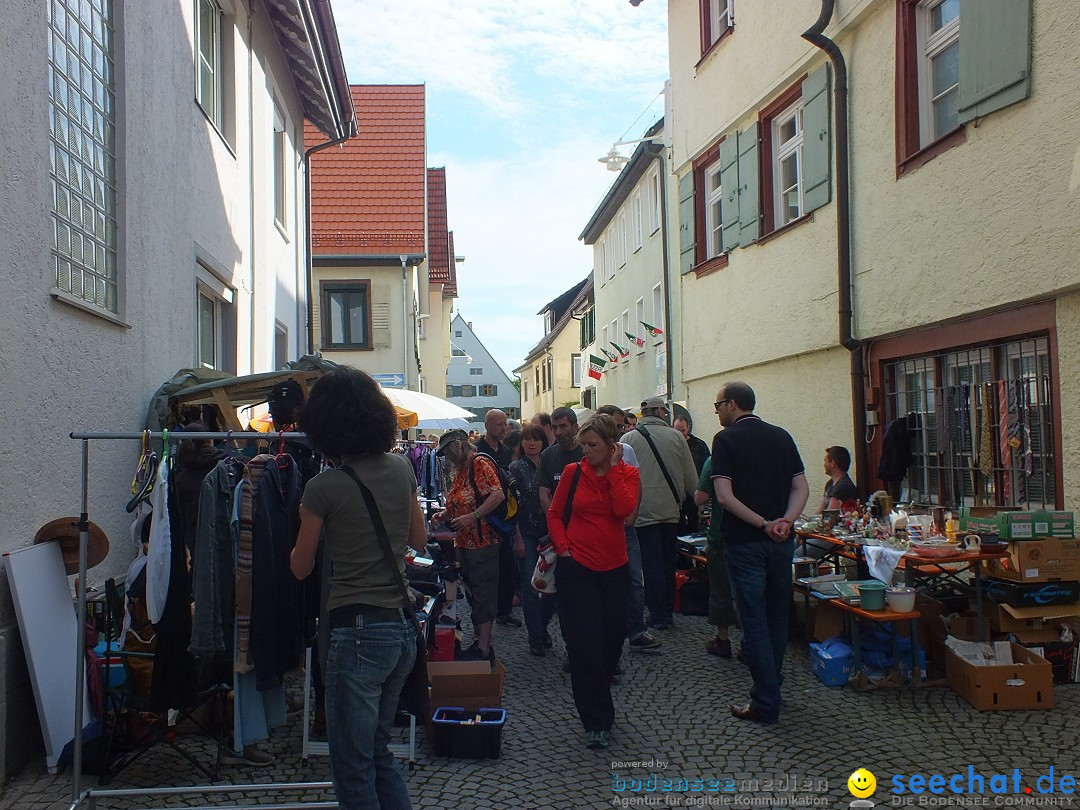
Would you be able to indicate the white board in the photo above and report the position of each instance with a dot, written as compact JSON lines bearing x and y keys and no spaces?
{"x":47,"y":621}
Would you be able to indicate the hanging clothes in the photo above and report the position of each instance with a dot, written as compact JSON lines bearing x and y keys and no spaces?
{"x":159,"y":555}
{"x":896,"y":456}
{"x":1003,"y":440}
{"x":253,"y":474}
{"x":986,"y":438}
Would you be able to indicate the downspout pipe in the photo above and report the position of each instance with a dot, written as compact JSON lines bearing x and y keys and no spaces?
{"x":657,"y":150}
{"x":350,"y":130}
{"x":815,"y":36}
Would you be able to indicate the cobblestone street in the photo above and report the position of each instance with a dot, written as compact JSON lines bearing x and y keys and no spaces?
{"x":671,"y":709}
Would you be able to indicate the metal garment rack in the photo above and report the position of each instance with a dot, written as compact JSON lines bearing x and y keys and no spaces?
{"x":91,"y":797}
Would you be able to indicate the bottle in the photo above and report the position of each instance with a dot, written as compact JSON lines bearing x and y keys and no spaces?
{"x":952,"y":527}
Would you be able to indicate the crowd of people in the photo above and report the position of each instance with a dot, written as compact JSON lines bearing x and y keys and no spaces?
{"x":610,"y":495}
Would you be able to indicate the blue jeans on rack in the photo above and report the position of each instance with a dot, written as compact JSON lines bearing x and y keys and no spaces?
{"x":760,"y":573}
{"x":536,"y":609}
{"x":365,"y":671}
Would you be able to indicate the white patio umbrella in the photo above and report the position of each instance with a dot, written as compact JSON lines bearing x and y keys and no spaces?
{"x":432,"y":412}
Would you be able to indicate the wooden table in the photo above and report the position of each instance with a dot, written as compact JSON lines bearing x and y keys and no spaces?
{"x":922,"y":571}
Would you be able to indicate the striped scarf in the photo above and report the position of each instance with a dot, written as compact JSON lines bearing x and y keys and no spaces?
{"x":252,"y":475}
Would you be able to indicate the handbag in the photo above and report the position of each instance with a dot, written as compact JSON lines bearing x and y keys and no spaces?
{"x":543,"y":578}
{"x":414,"y":694}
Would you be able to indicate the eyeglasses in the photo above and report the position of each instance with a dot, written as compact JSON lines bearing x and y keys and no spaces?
{"x":717,"y":405}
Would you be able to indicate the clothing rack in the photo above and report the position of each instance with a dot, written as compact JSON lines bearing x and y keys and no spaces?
{"x":78,"y":796}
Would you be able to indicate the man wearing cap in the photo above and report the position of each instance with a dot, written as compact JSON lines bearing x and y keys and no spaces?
{"x":476,"y":542}
{"x":668,"y":477}
{"x":759,"y":479}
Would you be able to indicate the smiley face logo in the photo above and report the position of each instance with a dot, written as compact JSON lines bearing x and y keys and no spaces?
{"x":862,"y":783}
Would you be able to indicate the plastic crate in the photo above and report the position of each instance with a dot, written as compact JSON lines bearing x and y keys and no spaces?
{"x":468,"y":734}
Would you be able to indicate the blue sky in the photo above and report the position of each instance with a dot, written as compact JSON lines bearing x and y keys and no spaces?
{"x":522,"y":98}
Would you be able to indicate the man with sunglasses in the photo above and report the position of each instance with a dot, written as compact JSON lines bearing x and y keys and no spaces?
{"x":760,"y":482}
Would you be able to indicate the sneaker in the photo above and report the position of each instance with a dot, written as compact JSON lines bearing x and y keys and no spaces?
{"x":508,"y":619}
{"x":547,"y":640}
{"x":474,"y":654}
{"x":591,"y":740}
{"x":598,"y":739}
{"x":251,"y":756}
{"x":720,"y":647}
{"x":661,"y":626}
{"x":645,"y":641}
{"x":537,"y":649}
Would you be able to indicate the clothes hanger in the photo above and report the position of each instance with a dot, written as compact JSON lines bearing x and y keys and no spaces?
{"x":142,"y":484}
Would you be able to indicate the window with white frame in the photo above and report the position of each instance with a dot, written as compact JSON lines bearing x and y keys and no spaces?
{"x":281,"y":344}
{"x":609,"y":239}
{"x":639,"y":313}
{"x":601,"y":260}
{"x":714,"y":224}
{"x":625,"y":329}
{"x":636,"y":227}
{"x":550,"y":373}
{"x":476,"y":372}
{"x":280,"y":163}
{"x":787,"y":141}
{"x":654,"y":201}
{"x":658,"y":310}
{"x":209,"y":84}
{"x":538,"y":386}
{"x":938,"y":30}
{"x":614,"y":337}
{"x":215,"y":328}
{"x":82,"y":151}
{"x":549,"y":321}
{"x":603,"y":337}
{"x":621,"y":236}
{"x":525,"y":390}
{"x":575,"y":362}
{"x":717,"y":18}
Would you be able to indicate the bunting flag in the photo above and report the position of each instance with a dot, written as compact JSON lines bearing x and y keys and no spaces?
{"x":622,"y":351}
{"x":596,"y":366}
{"x":652,"y":330}
{"x":612,"y":358}
{"x":635,"y":339}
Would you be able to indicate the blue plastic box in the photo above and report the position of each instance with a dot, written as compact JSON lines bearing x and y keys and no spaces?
{"x":468,"y":733}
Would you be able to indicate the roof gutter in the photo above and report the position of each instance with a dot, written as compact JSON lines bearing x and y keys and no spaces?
{"x":815,"y":36}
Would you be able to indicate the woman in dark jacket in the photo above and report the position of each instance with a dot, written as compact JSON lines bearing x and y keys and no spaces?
{"x":531,"y":526}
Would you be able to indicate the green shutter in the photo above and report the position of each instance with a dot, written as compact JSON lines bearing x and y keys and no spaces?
{"x":817,"y":139}
{"x":687,"y":242}
{"x":729,"y":184}
{"x":749,"y":186}
{"x":995,"y":55}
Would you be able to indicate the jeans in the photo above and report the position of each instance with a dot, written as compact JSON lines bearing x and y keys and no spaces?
{"x":658,"y":554}
{"x":537,"y":609}
{"x":592,"y":616}
{"x":635,"y":605}
{"x":365,"y":670}
{"x":760,"y":573}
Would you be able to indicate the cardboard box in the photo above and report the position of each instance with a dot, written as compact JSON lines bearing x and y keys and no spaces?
{"x":1026,"y":683}
{"x":832,"y":669}
{"x":465,"y":684}
{"x":1061,"y":655}
{"x":828,"y":620}
{"x":1044,"y":560}
{"x":1024,"y":525}
{"x":1005,"y":618}
{"x":979,"y":520}
{"x":1031,"y":594}
{"x":1062,"y":524}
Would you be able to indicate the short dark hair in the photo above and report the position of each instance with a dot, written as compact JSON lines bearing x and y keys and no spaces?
{"x":689,"y":424}
{"x":564,"y":413}
{"x":545,"y":418}
{"x":612,"y":410}
{"x":839,"y":456}
{"x":741,"y":394}
{"x":347,"y":414}
{"x":512,"y":439}
{"x":535,"y":432}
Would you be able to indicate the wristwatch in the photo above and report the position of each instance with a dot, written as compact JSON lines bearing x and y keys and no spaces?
{"x":764,"y":524}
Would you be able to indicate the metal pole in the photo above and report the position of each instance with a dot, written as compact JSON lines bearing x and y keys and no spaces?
{"x":181,"y":436}
{"x":80,"y":587}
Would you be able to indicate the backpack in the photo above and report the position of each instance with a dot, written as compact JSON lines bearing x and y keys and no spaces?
{"x":504,"y":517}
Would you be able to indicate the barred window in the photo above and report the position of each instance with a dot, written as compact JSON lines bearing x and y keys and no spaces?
{"x":981,"y":424}
{"x":82,"y":150}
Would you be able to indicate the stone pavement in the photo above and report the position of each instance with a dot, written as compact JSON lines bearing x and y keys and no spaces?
{"x":672,"y":712}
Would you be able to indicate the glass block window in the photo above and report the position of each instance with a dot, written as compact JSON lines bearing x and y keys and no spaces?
{"x":82,"y":121}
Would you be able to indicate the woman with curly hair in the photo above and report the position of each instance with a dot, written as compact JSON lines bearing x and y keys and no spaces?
{"x":592,"y":578}
{"x":372,"y":637}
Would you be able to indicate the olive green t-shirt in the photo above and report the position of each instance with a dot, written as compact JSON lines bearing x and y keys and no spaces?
{"x":359,"y":572}
{"x":705,"y":484}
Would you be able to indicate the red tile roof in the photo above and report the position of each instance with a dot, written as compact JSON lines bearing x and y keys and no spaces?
{"x":450,"y":289}
{"x":367,"y":196}
{"x":438,"y":239}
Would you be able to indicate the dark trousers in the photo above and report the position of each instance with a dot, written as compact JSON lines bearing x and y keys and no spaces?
{"x":760,"y":573}
{"x":658,"y":555}
{"x":537,"y":610}
{"x":592,"y":616}
{"x":507,"y":577}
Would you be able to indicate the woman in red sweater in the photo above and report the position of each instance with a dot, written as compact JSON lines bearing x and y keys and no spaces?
{"x":592,"y":577}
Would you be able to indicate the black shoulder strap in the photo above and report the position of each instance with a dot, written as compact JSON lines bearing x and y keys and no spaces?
{"x":570,"y":496}
{"x":667,"y":476}
{"x":384,"y":539}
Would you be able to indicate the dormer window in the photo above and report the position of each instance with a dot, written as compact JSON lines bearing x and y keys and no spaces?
{"x":549,"y":321}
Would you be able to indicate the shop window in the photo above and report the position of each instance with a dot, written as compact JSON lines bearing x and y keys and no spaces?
{"x":981,"y":423}
{"x":346,"y":314}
